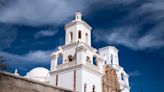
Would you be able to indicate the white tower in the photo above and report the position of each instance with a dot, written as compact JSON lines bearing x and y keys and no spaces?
{"x":110,"y":54}
{"x":78,"y":30}
{"x":81,"y":66}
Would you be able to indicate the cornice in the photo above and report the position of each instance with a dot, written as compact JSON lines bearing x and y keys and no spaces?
{"x":77,"y":67}
{"x":109,"y":47}
{"x":75,"y":22}
{"x":81,"y":48}
{"x":69,"y":45}
{"x":78,"y":44}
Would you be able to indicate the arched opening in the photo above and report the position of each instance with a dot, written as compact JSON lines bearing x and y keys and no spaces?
{"x":70,"y":58}
{"x":70,"y":36}
{"x":60,"y":59}
{"x":79,"y":34}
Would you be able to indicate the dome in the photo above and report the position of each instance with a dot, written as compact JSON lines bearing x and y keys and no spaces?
{"x":39,"y":73}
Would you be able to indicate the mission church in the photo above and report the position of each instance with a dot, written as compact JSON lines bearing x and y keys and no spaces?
{"x":83,"y":68}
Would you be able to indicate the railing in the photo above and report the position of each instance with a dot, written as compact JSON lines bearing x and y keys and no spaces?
{"x":73,"y":63}
{"x":92,"y":65}
{"x":66,"y":65}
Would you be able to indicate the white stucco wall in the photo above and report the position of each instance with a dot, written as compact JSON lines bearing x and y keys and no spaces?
{"x":91,"y":79}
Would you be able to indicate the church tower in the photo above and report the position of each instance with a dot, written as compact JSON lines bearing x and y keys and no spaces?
{"x":80,"y":67}
{"x":110,"y":54}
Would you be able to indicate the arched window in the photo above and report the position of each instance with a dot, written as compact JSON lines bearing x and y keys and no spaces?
{"x":60,"y":59}
{"x":70,"y":36}
{"x":86,"y":37}
{"x":79,"y":34}
{"x":85,"y":87}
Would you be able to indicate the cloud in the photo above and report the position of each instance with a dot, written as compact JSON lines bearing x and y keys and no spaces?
{"x":155,"y":38}
{"x":39,"y":12}
{"x":45,"y":33}
{"x":26,"y":62}
{"x":142,"y":28}
{"x":45,"y":12}
{"x":31,"y":57}
{"x":54,"y":12}
{"x":134,"y":73}
{"x":130,"y":37}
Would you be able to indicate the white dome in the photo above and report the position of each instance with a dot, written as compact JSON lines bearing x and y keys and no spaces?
{"x":39,"y":73}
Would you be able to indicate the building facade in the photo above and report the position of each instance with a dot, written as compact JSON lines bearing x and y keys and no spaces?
{"x":80,"y":67}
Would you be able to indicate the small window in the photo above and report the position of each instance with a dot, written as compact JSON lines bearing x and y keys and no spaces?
{"x":70,"y":36}
{"x":105,"y":62}
{"x":88,"y":59}
{"x":86,"y":38}
{"x":79,"y":35}
{"x":85,"y":87}
{"x":111,"y":59}
{"x":122,"y":76}
{"x":94,"y":61}
{"x":93,"y":88}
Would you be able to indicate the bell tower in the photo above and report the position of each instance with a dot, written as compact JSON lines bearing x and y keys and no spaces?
{"x":78,"y":31}
{"x":78,"y":66}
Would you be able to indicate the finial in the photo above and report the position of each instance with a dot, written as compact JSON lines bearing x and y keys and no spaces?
{"x":78,"y":16}
{"x":16,"y":72}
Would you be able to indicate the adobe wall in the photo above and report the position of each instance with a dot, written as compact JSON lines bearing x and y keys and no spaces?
{"x":13,"y":83}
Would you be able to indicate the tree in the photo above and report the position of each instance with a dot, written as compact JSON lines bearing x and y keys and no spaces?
{"x":3,"y":66}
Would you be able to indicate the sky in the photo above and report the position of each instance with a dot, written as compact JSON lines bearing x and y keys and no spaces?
{"x":30,"y":30}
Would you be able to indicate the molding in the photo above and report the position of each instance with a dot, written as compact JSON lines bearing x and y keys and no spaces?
{"x":77,"y":67}
{"x":53,"y":57}
{"x":64,"y":47}
{"x":81,"y":48}
{"x":77,"y":44}
{"x":108,"y":47}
